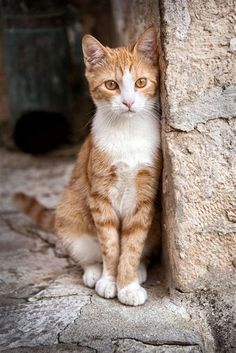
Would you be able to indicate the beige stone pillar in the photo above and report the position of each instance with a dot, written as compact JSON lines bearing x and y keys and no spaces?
{"x":199,"y":109}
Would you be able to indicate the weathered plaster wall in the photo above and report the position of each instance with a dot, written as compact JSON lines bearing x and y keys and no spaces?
{"x":199,"y":109}
{"x":198,"y":63}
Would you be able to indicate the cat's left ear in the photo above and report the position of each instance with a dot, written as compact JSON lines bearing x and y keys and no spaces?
{"x":146,"y":45}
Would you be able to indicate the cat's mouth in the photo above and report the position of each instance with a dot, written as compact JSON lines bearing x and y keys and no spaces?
{"x":128,"y":112}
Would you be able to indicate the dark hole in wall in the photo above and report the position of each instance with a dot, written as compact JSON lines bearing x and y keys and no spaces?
{"x":40,"y":131}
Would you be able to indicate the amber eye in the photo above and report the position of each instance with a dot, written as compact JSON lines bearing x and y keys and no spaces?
{"x":111,"y":85}
{"x":141,"y":82}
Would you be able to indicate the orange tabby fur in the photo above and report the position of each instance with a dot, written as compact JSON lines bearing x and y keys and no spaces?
{"x":85,"y":210}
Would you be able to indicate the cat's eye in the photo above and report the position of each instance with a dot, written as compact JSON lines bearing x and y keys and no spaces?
{"x":141,"y":82}
{"x":111,"y":85}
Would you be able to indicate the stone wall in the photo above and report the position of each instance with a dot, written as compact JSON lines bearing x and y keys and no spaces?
{"x":198,"y":78}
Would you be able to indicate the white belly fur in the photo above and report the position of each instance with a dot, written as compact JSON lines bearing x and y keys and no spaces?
{"x":131,"y":146}
{"x":123,"y":193}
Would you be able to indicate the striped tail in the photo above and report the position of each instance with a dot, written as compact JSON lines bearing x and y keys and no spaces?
{"x":35,"y":210}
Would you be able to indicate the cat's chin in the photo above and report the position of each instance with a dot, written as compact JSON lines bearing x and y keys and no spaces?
{"x":128,"y":114}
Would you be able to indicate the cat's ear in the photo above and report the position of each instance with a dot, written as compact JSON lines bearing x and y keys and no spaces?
{"x":94,"y":52}
{"x":146,"y":45}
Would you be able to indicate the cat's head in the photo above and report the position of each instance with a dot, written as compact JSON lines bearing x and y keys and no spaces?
{"x":123,"y":81}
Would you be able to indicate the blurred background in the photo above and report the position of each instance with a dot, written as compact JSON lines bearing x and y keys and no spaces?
{"x":44,"y":98}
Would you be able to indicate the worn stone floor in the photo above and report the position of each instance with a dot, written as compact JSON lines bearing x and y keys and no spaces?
{"x":44,"y":306}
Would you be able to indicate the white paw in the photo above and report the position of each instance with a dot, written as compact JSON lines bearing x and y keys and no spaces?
{"x":142,"y":273}
{"x":133,"y":294}
{"x":92,"y":274}
{"x":106,"y":288}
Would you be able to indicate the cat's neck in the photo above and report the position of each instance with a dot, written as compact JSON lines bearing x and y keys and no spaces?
{"x":132,"y":140}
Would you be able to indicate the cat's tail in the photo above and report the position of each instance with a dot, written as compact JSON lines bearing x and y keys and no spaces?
{"x":35,"y":210}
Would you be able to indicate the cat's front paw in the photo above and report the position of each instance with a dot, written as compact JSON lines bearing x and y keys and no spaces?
{"x":106,"y":288}
{"x":133,"y":294}
{"x":92,"y":274}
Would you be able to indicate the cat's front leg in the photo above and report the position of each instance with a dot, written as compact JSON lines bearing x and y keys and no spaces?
{"x":130,"y":271}
{"x":135,"y":229}
{"x":107,"y":224}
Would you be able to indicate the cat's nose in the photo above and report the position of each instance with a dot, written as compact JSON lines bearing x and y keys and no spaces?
{"x":128,"y":103}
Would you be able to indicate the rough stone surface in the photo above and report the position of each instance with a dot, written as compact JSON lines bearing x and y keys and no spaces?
{"x":221,"y":313}
{"x":63,"y":348}
{"x":200,"y":72}
{"x":167,"y":320}
{"x":232,"y":45}
{"x":38,"y":323}
{"x":199,"y":198}
{"x":199,"y":166}
{"x":132,"y":346}
{"x":45,"y":177}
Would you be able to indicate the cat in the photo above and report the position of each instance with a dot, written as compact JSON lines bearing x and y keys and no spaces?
{"x":108,"y":217}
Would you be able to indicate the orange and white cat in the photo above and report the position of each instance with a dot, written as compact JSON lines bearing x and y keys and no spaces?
{"x":108,"y":217}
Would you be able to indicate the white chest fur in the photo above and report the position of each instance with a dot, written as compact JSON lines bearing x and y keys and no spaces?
{"x":123,"y":193}
{"x":133,"y":141}
{"x":131,"y":144}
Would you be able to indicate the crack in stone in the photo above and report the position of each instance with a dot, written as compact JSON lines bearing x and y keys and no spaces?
{"x":71,"y":323}
{"x":37,"y":235}
{"x":156,"y":344}
{"x":18,"y":231}
{"x":85,"y":346}
{"x":195,"y":127}
{"x":52,"y":297}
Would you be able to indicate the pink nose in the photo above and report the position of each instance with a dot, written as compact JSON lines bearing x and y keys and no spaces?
{"x":128,"y":104}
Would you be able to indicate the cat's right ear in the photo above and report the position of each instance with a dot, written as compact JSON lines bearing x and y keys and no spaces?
{"x":94,"y":52}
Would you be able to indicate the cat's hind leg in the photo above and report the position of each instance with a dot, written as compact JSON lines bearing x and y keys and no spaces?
{"x":85,"y":250}
{"x":92,"y":274}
